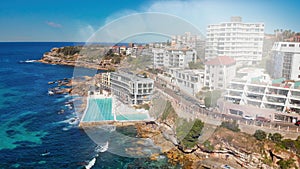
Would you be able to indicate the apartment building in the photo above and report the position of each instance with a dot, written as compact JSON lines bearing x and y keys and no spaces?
{"x":190,"y":81}
{"x":279,"y":95}
{"x":131,"y":88}
{"x":285,"y":60}
{"x":241,"y":41}
{"x":177,"y":58}
{"x":219,"y":72}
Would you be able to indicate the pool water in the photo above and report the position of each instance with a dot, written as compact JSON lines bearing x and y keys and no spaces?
{"x":99,"y":110}
{"x":132,"y":117}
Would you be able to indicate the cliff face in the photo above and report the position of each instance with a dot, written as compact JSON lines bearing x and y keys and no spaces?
{"x":236,"y":149}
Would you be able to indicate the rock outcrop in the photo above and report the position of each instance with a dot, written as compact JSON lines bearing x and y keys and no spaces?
{"x":79,"y":56}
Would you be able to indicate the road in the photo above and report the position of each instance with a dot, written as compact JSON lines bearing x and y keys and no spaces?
{"x":192,"y":105}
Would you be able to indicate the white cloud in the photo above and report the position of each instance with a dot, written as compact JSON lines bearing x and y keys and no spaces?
{"x":53,"y":24}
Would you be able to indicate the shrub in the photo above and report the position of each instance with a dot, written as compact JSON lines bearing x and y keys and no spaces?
{"x":285,"y":164}
{"x":208,"y":145}
{"x":191,"y":138}
{"x":233,"y":126}
{"x":260,"y":135}
{"x":276,"y":137}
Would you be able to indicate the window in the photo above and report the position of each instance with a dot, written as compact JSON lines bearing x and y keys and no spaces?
{"x":291,"y":45}
{"x":298,"y":76}
{"x":283,"y":45}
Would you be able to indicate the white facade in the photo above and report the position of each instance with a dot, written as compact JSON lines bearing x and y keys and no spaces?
{"x":190,"y":81}
{"x":280,"y":97}
{"x":177,"y":58}
{"x":286,"y":60}
{"x":186,"y":40}
{"x":241,"y":41}
{"x":131,"y":88}
{"x":219,"y":72}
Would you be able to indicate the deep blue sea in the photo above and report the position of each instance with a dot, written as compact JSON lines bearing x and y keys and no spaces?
{"x":30,"y":123}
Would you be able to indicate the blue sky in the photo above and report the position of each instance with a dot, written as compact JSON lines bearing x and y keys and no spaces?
{"x":76,"y":20}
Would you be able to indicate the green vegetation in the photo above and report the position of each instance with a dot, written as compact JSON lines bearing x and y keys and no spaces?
{"x":69,"y":50}
{"x":211,"y":98}
{"x":197,"y":65}
{"x":276,"y":137}
{"x":208,"y":145}
{"x":260,"y":135}
{"x":286,"y":164}
{"x":233,"y":126}
{"x":189,"y":135}
{"x":168,"y":111}
{"x":140,"y":62}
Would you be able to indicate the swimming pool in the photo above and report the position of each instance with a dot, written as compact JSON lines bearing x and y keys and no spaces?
{"x":132,"y":117}
{"x":98,"y":110}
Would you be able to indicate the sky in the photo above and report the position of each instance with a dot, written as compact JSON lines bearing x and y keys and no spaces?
{"x":77,"y":20}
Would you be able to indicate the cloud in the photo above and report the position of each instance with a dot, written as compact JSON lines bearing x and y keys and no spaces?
{"x":53,"y":24}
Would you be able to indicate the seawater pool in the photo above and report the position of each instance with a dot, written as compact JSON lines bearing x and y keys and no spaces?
{"x":99,"y":110}
{"x":132,"y":117}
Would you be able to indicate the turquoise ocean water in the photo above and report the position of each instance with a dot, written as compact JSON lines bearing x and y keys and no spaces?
{"x":33,"y":133}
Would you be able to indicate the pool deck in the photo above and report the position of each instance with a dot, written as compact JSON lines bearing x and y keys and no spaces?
{"x":110,"y":122}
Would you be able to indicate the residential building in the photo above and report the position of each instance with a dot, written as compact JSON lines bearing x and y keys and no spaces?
{"x":177,"y":58}
{"x":190,"y":41}
{"x":241,"y":41}
{"x":190,"y":81}
{"x":278,"y":99}
{"x":131,"y":88}
{"x":219,"y":72}
{"x":105,"y":80}
{"x":285,"y":60}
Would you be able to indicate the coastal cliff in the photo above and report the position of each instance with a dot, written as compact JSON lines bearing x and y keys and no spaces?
{"x":94,"y":57}
{"x":224,"y":146}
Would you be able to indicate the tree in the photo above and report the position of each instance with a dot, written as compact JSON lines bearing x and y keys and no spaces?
{"x":260,"y":135}
{"x":233,"y":126}
{"x":189,"y":135}
{"x":211,"y":98}
{"x":276,"y":137}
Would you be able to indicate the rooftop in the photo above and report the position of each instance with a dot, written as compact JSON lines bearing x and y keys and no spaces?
{"x":221,"y":60}
{"x":133,"y":77}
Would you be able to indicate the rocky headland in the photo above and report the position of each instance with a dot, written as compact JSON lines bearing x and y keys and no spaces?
{"x":93,"y":57}
{"x":224,"y":146}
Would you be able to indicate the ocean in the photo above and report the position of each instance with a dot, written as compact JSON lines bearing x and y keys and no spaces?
{"x":34,"y":134}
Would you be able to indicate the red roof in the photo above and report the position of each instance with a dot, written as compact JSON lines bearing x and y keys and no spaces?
{"x":221,"y":60}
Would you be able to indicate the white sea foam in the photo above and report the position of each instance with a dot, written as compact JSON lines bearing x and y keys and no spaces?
{"x":91,"y":163}
{"x":27,"y":61}
{"x":102,"y":148}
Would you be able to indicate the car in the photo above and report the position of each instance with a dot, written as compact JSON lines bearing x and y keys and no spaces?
{"x":226,"y":166}
{"x":247,"y":117}
{"x":297,"y":123}
{"x":262,"y":119}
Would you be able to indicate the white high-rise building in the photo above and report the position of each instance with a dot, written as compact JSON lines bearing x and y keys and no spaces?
{"x":286,"y":60}
{"x":177,"y":58}
{"x":241,"y":41}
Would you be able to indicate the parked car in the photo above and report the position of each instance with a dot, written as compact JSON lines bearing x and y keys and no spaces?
{"x":226,"y":167}
{"x":247,"y":117}
{"x":262,"y":119}
{"x":297,"y":123}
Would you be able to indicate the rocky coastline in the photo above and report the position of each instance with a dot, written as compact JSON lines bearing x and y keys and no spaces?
{"x":225,"y":147}
{"x":236,"y":149}
{"x":78,"y":56}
